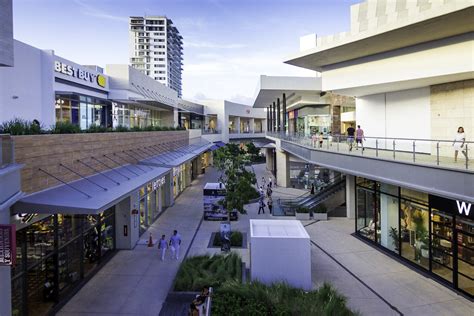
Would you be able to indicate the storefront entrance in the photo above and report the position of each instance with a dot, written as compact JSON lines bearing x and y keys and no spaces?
{"x":152,"y":197}
{"x":430,"y":232}
{"x":54,"y":254}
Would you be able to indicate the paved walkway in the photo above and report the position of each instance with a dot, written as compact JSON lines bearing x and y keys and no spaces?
{"x":136,"y":282}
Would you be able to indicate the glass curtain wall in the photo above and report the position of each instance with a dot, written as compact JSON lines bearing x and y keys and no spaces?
{"x":130,"y":116}
{"x":54,"y":255}
{"x":151,"y":203}
{"x":425,"y":230}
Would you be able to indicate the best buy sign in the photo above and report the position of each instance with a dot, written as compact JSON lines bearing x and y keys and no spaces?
{"x":80,"y":73}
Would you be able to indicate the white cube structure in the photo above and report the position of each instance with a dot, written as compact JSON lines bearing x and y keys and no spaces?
{"x":280,"y":251}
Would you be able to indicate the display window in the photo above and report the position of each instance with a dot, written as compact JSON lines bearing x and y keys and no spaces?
{"x":429,"y":232}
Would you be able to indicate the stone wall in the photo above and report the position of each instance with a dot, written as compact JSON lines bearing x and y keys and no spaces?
{"x":49,"y":151}
{"x":452,"y":105}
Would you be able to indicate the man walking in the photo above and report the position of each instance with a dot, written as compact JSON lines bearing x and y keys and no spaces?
{"x":360,"y":137}
{"x":270,"y":181}
{"x":261,"y":206}
{"x":162,"y":246}
{"x":175,"y":243}
{"x":270,"y":204}
{"x":350,"y":136}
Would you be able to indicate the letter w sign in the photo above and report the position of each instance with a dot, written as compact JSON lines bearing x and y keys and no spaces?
{"x":464,"y":207}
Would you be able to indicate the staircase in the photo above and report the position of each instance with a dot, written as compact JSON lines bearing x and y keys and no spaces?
{"x":287,"y":207}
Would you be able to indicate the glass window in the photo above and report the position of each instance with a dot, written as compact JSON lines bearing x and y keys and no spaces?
{"x":366,"y":206}
{"x":40,"y":240}
{"x":413,"y":195}
{"x":414,"y":232}
{"x":388,"y":222}
{"x":465,"y":248}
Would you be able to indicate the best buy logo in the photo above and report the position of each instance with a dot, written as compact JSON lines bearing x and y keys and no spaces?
{"x":101,"y":81}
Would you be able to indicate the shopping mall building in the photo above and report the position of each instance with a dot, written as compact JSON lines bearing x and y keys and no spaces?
{"x":410,"y":68}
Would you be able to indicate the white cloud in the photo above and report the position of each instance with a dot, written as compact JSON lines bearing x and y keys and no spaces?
{"x":92,"y":11}
{"x":212,"y":45}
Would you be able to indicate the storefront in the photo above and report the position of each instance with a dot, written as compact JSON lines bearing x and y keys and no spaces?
{"x":152,"y":198}
{"x":83,"y":111}
{"x":427,"y":231}
{"x":54,"y":254}
{"x":181,"y":178}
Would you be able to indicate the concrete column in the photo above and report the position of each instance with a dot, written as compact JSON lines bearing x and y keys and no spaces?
{"x":278,"y":116}
{"x":284,"y":113}
{"x":127,"y":224}
{"x":268,"y":117}
{"x":252,"y":125}
{"x":270,"y":124}
{"x":269,"y":158}
{"x":282,"y":169}
{"x":274,"y":118}
{"x":350,"y":196}
{"x":237,"y":123}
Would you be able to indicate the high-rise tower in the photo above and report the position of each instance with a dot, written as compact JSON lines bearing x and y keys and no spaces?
{"x":156,"y":49}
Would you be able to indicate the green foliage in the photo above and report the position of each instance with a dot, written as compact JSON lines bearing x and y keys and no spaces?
{"x":252,"y":151}
{"x":236,"y":239}
{"x":255,"y":298}
{"x":302,"y":210}
{"x":96,"y":129}
{"x":65,"y":128}
{"x":165,"y":128}
{"x":19,"y":126}
{"x":395,"y":239}
{"x":122,"y":129}
{"x":239,"y":182}
{"x":157,"y":128}
{"x":149,"y":128}
{"x":197,"y":272}
{"x":320,"y":208}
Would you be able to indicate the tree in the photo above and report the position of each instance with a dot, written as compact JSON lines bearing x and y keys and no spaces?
{"x":253,"y":151}
{"x":238,"y":181}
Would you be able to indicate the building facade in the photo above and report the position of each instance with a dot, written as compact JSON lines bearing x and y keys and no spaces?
{"x":6,"y":33}
{"x":413,"y":89}
{"x":156,"y":49}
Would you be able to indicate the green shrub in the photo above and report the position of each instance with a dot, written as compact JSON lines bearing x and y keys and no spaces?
{"x":165,"y":128}
{"x":96,"y":129}
{"x":149,"y":128}
{"x":254,"y":298}
{"x":136,"y":129}
{"x":19,"y":126}
{"x":157,"y":128}
{"x":65,"y":128}
{"x":122,"y":129}
{"x":197,"y":272}
{"x":236,"y":239}
{"x":321,"y":208}
{"x":302,"y":210}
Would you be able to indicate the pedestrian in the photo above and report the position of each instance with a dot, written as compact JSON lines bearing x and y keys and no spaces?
{"x":360,"y":137}
{"x":269,"y":191}
{"x":458,"y":143}
{"x":350,"y":136}
{"x":261,"y":206}
{"x":321,"y":139}
{"x":330,"y":138}
{"x":261,"y":191}
{"x":175,"y":243}
{"x":162,"y":246}
{"x":270,"y":182}
{"x":314,"y":138}
{"x":312,"y":188}
{"x":193,"y":310}
{"x":270,"y":204}
{"x":264,"y":183}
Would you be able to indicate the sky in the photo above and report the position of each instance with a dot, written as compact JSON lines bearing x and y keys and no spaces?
{"x":228,"y":44}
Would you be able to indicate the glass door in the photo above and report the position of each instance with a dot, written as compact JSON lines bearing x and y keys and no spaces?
{"x":441,"y":244}
{"x":465,"y":260}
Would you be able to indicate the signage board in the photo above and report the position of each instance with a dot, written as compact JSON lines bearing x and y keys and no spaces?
{"x":455,"y":207}
{"x":82,"y":75}
{"x":7,"y":245}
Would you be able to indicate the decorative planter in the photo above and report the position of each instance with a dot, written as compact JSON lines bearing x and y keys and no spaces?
{"x":320,"y":216}
{"x":302,"y":216}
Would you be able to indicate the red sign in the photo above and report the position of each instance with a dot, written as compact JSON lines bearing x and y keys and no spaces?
{"x":7,"y":245}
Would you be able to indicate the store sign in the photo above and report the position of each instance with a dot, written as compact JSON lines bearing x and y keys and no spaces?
{"x":463,"y":207}
{"x":80,"y":73}
{"x":7,"y":245}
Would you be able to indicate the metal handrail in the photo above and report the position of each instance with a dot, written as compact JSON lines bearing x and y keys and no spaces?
{"x":412,"y":150}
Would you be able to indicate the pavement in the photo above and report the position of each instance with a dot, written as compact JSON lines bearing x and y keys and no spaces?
{"x":136,"y":282}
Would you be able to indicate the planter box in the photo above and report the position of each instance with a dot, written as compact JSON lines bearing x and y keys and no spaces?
{"x":302,"y":216}
{"x":320,"y":216}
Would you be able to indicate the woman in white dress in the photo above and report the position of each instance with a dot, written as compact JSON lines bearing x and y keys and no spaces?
{"x":458,"y":143}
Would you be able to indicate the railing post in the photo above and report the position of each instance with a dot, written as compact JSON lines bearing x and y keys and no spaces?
{"x":467,"y":160}
{"x":376,"y":147}
{"x":394,"y":149}
{"x":413,"y":151}
{"x":437,"y":153}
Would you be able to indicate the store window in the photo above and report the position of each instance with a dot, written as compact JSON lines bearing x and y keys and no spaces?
{"x":366,"y":211}
{"x":83,"y":111}
{"x":387,"y":217}
{"x":442,"y":244}
{"x":465,"y":248}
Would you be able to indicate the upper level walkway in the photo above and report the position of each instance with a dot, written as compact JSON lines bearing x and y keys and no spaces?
{"x":421,"y":164}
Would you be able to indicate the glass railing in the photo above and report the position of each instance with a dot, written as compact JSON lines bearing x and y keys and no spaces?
{"x":6,"y":150}
{"x":210,"y":131}
{"x":418,"y":151}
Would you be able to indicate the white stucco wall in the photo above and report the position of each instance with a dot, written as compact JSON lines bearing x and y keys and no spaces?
{"x":26,"y":90}
{"x":6,"y":33}
{"x":402,"y":114}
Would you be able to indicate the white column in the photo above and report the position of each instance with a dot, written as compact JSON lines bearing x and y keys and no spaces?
{"x":283,"y":168}
{"x":252,"y":125}
{"x":350,"y":196}
{"x":237,"y":125}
